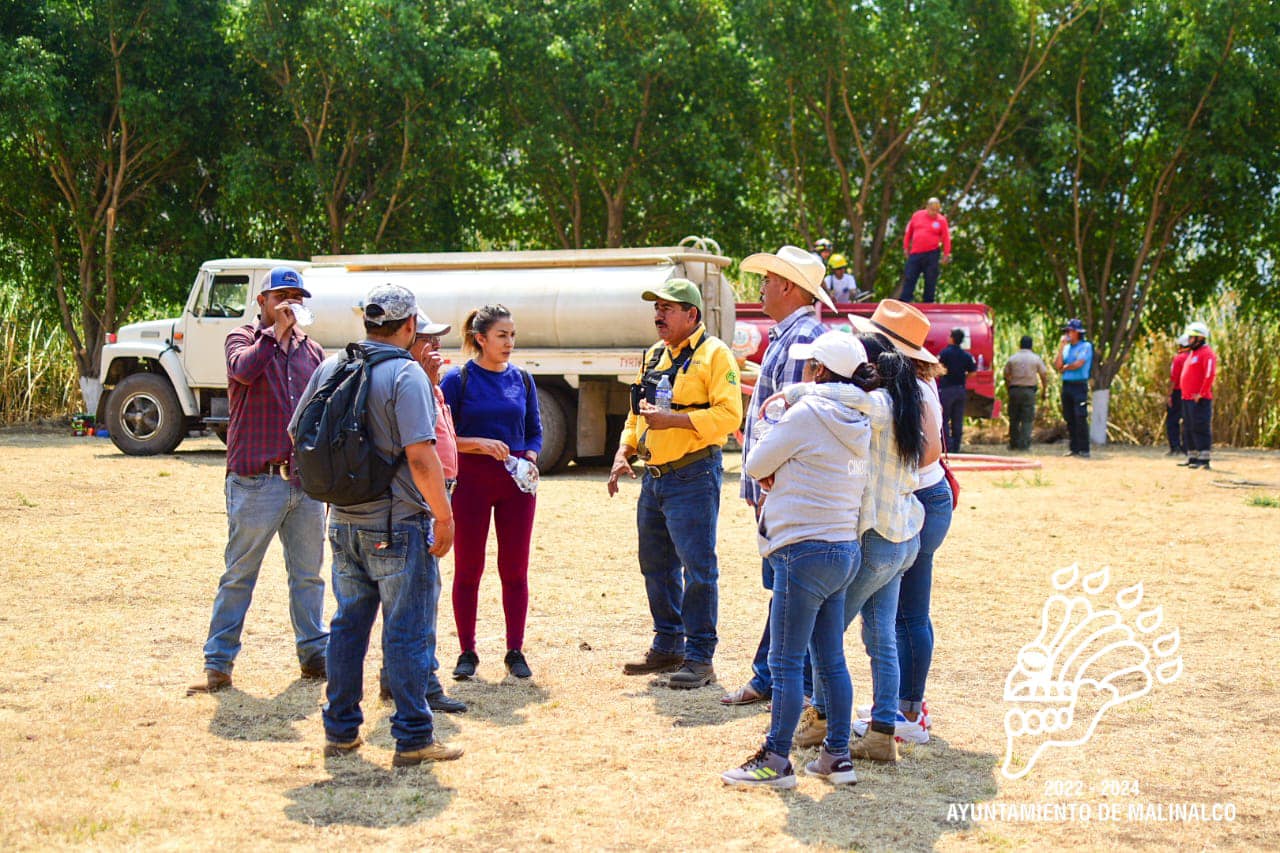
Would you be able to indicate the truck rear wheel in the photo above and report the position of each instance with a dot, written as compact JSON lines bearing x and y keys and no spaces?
{"x":144,"y":416}
{"x":557,"y":420}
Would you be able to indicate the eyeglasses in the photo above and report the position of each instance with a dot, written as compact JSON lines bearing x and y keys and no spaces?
{"x":429,"y":340}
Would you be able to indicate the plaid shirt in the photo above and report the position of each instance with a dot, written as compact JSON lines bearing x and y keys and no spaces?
{"x":777,"y":371}
{"x":264,"y":385}
{"x":888,"y":504}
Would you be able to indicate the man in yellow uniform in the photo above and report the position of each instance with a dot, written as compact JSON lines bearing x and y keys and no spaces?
{"x":680,"y":494}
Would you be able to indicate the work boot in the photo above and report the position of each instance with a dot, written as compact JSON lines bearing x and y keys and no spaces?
{"x":337,"y":749}
{"x":812,"y":729}
{"x":653,"y":661}
{"x":315,"y":669}
{"x":875,"y":746}
{"x":214,"y":680}
{"x":446,"y":704}
{"x":692,"y":674}
{"x":431,"y":752}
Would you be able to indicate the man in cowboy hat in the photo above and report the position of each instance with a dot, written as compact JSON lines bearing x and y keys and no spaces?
{"x":680,"y":495}
{"x":1196,"y":383}
{"x":1074,"y":360}
{"x":791,"y":285}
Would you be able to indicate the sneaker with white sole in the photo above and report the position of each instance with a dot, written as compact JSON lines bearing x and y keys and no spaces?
{"x":903,"y":729}
{"x":836,"y":769}
{"x":765,"y":769}
{"x":863,"y":712}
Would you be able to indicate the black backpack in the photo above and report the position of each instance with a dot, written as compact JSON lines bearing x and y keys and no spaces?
{"x":333,"y":451}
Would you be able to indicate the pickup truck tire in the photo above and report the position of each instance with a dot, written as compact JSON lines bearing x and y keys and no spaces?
{"x":557,"y":418}
{"x":144,"y":416}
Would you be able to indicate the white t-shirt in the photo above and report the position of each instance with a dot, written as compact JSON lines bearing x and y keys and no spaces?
{"x":931,"y":474}
{"x":842,"y":289}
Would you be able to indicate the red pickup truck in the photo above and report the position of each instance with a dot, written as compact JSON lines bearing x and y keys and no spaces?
{"x":751,"y":336}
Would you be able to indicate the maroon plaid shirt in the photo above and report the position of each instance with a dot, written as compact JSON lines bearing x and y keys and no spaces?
{"x":264,"y":385}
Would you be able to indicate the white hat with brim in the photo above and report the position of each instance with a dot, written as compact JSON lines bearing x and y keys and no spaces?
{"x":903,"y":324}
{"x":426,"y":327}
{"x":804,"y":269}
{"x":839,"y":352}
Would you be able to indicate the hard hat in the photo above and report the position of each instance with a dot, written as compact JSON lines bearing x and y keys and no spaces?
{"x":821,"y":243}
{"x":1197,"y":330}
{"x":838,"y":262}
{"x":1184,"y":340}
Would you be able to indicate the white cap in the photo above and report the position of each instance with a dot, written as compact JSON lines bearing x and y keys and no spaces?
{"x":839,"y":352}
{"x":426,"y":327}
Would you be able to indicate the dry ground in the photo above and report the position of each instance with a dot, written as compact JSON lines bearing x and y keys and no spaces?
{"x":105,"y":591}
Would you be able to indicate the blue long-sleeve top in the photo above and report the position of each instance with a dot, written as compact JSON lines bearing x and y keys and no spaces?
{"x":497,"y":406}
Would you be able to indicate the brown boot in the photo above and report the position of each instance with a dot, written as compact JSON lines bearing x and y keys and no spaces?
{"x":212,"y":682}
{"x":653,"y":661}
{"x":812,"y":729}
{"x":875,"y":746}
{"x":431,"y":752}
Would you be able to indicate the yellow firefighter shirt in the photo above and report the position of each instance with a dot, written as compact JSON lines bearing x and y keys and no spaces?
{"x":711,"y":377}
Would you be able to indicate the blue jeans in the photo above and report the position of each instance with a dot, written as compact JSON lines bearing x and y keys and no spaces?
{"x":404,"y":579}
{"x":676,"y":519}
{"x":921,"y":264}
{"x":809,"y":583}
{"x":915,"y":630}
{"x":259,"y":508}
{"x":874,"y":594}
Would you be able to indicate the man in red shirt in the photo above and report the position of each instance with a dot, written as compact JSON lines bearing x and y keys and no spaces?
{"x":268,"y":364}
{"x":926,"y":242}
{"x":1198,"y":373}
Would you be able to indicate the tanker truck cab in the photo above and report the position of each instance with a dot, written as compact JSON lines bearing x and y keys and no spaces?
{"x":164,"y":378}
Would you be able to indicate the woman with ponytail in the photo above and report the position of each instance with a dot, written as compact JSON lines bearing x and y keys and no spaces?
{"x":495,"y":414}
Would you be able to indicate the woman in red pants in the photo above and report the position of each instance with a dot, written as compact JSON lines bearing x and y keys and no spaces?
{"x":495,"y":413}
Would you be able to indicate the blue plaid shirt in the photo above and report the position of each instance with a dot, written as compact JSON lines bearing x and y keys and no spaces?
{"x":777,"y":371}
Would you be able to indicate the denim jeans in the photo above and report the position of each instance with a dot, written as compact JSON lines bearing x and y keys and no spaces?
{"x":676,"y":519}
{"x":915,"y":630}
{"x":953,"y":398}
{"x":1198,"y":417}
{"x":404,"y":579}
{"x":874,"y":594}
{"x":921,"y":264}
{"x":259,"y":508}
{"x":809,"y":583}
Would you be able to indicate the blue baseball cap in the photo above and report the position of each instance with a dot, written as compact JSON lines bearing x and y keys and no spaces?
{"x":285,"y":278}
{"x":1074,"y":325}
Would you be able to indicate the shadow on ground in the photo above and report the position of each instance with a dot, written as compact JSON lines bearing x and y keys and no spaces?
{"x":360,"y":793}
{"x":241,"y":716}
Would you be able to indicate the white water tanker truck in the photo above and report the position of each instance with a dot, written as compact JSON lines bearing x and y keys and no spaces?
{"x":581,"y":324}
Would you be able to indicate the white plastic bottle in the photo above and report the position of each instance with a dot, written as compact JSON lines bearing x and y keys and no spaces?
{"x":524,"y":472}
{"x":771,"y":415}
{"x":662,"y":395}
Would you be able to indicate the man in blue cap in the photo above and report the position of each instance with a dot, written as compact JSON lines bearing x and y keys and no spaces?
{"x":1074,"y":360}
{"x":268,"y":364}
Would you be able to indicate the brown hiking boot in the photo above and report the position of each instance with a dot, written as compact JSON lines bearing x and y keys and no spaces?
{"x":812,"y":729}
{"x":336,"y":749}
{"x":875,"y":746}
{"x":213,"y":682}
{"x":653,"y":661}
{"x":431,"y":752}
{"x":691,"y":675}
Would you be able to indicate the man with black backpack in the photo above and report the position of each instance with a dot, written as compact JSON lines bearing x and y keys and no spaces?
{"x":385,"y":548}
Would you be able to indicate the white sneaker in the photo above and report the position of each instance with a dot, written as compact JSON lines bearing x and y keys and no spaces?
{"x":863,"y":712}
{"x":904,"y":730}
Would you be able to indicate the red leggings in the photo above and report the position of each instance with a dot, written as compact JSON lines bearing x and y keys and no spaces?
{"x":484,"y":486}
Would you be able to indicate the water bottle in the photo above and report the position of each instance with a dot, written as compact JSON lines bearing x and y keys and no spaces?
{"x":980,"y":367}
{"x":662,"y":396}
{"x":768,"y":418}
{"x":524,"y":472}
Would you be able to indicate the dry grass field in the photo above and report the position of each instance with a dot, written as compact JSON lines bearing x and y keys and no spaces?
{"x":107,"y":581}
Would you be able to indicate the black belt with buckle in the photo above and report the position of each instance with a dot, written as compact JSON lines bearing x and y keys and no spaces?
{"x":683,"y":462}
{"x":281,"y":468}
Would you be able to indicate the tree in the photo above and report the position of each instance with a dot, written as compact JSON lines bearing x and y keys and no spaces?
{"x":879,"y":105}
{"x":105,"y":108}
{"x":1146,"y":157}
{"x":622,"y":123}
{"x":357,"y":127}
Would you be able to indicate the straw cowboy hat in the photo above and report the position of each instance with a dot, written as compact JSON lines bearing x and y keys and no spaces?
{"x":804,"y":269}
{"x":902,"y":324}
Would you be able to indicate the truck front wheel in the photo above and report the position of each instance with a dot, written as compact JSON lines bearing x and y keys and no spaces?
{"x":144,"y":415}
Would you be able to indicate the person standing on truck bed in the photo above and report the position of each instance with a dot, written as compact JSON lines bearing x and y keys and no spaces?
{"x":1022,"y":373}
{"x":495,"y":409}
{"x":269,"y":363}
{"x":791,"y":286}
{"x":680,"y":494}
{"x":926,"y":242}
{"x":386,"y":550}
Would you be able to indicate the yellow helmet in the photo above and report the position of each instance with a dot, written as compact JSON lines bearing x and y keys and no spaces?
{"x":838,"y":262}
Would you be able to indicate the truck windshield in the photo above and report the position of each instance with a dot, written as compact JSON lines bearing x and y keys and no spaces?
{"x":225,"y":296}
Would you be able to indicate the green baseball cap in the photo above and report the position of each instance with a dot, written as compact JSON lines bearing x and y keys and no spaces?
{"x":676,"y":290}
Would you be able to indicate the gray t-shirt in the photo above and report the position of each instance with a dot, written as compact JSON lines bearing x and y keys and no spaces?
{"x":401,"y":411}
